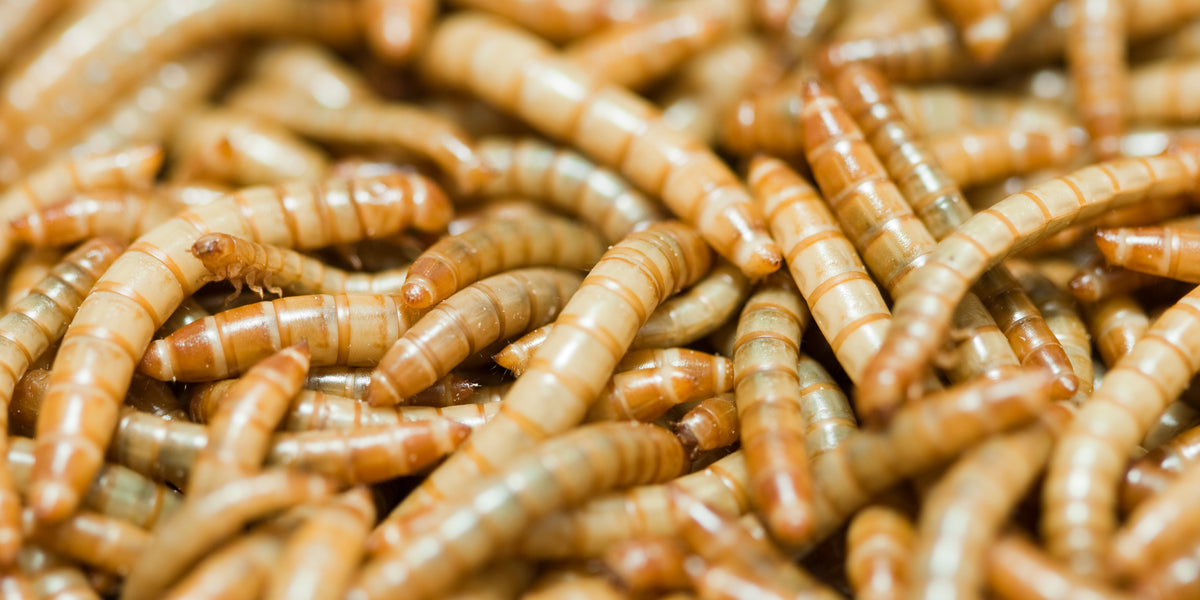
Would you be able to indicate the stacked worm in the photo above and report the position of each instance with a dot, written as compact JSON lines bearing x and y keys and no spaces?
{"x":599,"y":298}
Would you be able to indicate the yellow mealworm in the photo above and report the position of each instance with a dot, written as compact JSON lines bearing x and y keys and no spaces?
{"x":30,"y":267}
{"x":560,"y":20}
{"x":1129,"y":216}
{"x":1160,"y":91}
{"x":204,"y":522}
{"x":353,"y":382}
{"x":940,"y":206}
{"x":934,"y":110}
{"x":711,"y":424}
{"x":1151,"y":474}
{"x":1117,"y":323}
{"x":636,"y":54}
{"x":1017,"y":570}
{"x":711,"y":83}
{"x":610,"y":124}
{"x":827,"y":414}
{"x":845,"y":303}
{"x":93,"y":539}
{"x":320,"y":557}
{"x":496,"y":308}
{"x":21,"y":21}
{"x":311,"y":71}
{"x":984,"y":155}
{"x":246,"y":415}
{"x":1095,"y":52}
{"x":144,"y":286}
{"x":713,"y":373}
{"x":988,"y":26}
{"x":1096,"y":281}
{"x":644,"y":394}
{"x":879,"y":553}
{"x":497,"y":245}
{"x":1163,"y":251}
{"x":648,"y":564}
{"x":590,"y":335}
{"x":1079,"y":519}
{"x":240,"y":149}
{"x":923,"y":312}
{"x":1160,"y":527}
{"x":928,"y":50}
{"x":1064,"y":321}
{"x":765,"y":357}
{"x":238,"y":571}
{"x":122,"y":215}
{"x":563,"y":471}
{"x":516,"y":356}
{"x":965,"y":510}
{"x":697,"y":312}
{"x":396,"y":29}
{"x":39,"y":108}
{"x":566,"y":181}
{"x":766,"y":121}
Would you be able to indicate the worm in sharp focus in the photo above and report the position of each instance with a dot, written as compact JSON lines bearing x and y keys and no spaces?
{"x":712,"y":423}
{"x":1163,"y":251}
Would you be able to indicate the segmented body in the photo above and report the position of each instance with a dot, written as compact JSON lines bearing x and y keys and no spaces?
{"x":979,"y":156}
{"x":353,"y":382}
{"x":95,"y":540}
{"x":988,"y":26}
{"x":1063,"y":319}
{"x":648,"y":564}
{"x":321,"y":555}
{"x":711,"y":424}
{"x":28,"y":269}
{"x":241,"y":149}
{"x":121,"y":215}
{"x":879,"y":553}
{"x":1018,"y":570}
{"x":933,"y":110}
{"x":237,"y":571}
{"x":1117,"y":323}
{"x":709,"y":85}
{"x":368,"y":454}
{"x":1151,"y":474}
{"x":644,"y":394}
{"x":767,"y":121}
{"x":1096,"y":40}
{"x":1163,"y":251}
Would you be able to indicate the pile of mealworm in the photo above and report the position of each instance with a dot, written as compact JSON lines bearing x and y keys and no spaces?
{"x":599,"y":299}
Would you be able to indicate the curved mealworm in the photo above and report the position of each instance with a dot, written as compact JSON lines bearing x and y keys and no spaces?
{"x":206,"y":521}
{"x":1163,"y":251}
{"x":396,"y":29}
{"x":566,"y":181}
{"x":711,"y":424}
{"x":965,"y":510}
{"x":1078,"y":519}
{"x":341,"y":329}
{"x":648,"y":564}
{"x":644,"y":394}
{"x":638,"y":53}
{"x":699,"y":311}
{"x":766,"y":353}
{"x":1151,"y":474}
{"x":923,"y":313}
{"x":1152,"y":213}
{"x":1096,"y":281}
{"x":1117,"y":323}
{"x":1058,"y":309}
{"x":988,"y":26}
{"x":591,"y":333}
{"x":493,"y":309}
{"x":93,"y":539}
{"x":122,"y":215}
{"x":241,"y":149}
{"x":559,"y":20}
{"x":933,"y":110}
{"x":978,"y":156}
{"x":320,"y":557}
{"x":563,"y":471}
{"x":845,"y":302}
{"x":940,"y":206}
{"x":879,"y":553}
{"x":246,"y":415}
{"x":1017,"y":570}
{"x":606,"y":122}
{"x":495,"y":246}
{"x":27,"y":270}
{"x":144,"y":285}
{"x":707,"y":86}
{"x":1161,"y":526}
{"x":1095,"y":53}
{"x":238,"y":571}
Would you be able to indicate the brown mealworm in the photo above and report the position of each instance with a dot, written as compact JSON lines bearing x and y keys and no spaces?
{"x":311,"y":71}
{"x":766,"y":121}
{"x":979,"y":156}
{"x":352,"y":382}
{"x":1095,"y":52}
{"x":1017,"y":570}
{"x":711,"y":424}
{"x":563,"y":471}
{"x":396,"y":30}
{"x":121,"y":215}
{"x":923,"y":312}
{"x":495,"y":246}
{"x":502,"y":579}
{"x":590,"y":335}
{"x":320,"y":557}
{"x":879,"y":553}
{"x":988,"y":26}
{"x":1163,"y":251}
{"x":827,"y":414}
{"x":803,"y":23}
{"x":559,"y":20}
{"x":51,"y":574}
{"x":1096,"y":280}
{"x":29,"y":267}
{"x":934,"y":110}
{"x":699,"y":311}
{"x":1064,"y":321}
{"x":648,"y":564}
{"x":1158,"y":528}
{"x":606,"y":122}
{"x":493,"y":309}
{"x":644,"y":394}
{"x":709,"y":85}
{"x":240,"y":149}
{"x":237,"y":571}
{"x":1117,"y":323}
{"x":1172,"y":578}
{"x":145,"y":284}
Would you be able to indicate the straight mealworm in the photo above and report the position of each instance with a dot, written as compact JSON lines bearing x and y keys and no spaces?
{"x":353,"y":382}
{"x":121,"y":215}
{"x":1016,"y":570}
{"x":1095,"y":52}
{"x":879,"y":553}
{"x":922,"y":314}
{"x":1163,"y":251}
{"x":93,"y":539}
{"x":1149,"y":475}
{"x":495,"y":246}
{"x":145,"y":285}
{"x":983,"y":155}
{"x":935,"y":110}
{"x":546,"y":90}
{"x":827,"y":415}
{"x":591,"y":333}
{"x":233,"y":147}
{"x":697,"y":312}
{"x":496,"y":308}
{"x":28,"y":269}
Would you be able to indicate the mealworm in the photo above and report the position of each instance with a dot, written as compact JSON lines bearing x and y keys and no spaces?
{"x":52,"y":576}
{"x":19,"y":587}
{"x":1058,"y":309}
{"x":30,"y":267}
{"x":711,"y":424}
{"x":606,"y":122}
{"x":246,"y":415}
{"x":565,"y":471}
{"x":41,"y":106}
{"x":1173,"y":578}
{"x":987,"y":27}
{"x":1175,"y":419}
{"x":888,"y":235}
{"x":807,"y":22}
{"x":1129,"y":216}
{"x":644,"y":394}
{"x":451,"y":390}
{"x":929,"y":50}
{"x":979,"y":156}
{"x":309,"y":70}
{"x":941,"y":207}
{"x":559,"y":21}
{"x":1160,"y":92}
{"x":121,"y":215}
{"x":240,"y":149}
{"x":1161,"y":526}
{"x":767,"y":121}
{"x":493,"y":309}
{"x":1016,"y":570}
{"x":396,"y":29}
{"x":923,"y":313}
{"x":566,"y":181}
{"x":517,"y":355}
{"x":864,"y":19}
{"x":1117,"y":323}
{"x":1095,"y":53}
{"x":1096,"y":280}
{"x":697,"y":312}
{"x":827,"y":415}
{"x":713,"y":373}
{"x":321,"y":555}
{"x":636,"y":54}
{"x":1078,"y":520}
{"x":146,"y":283}
{"x":495,"y":246}
{"x":206,"y":521}
{"x":238,"y":571}
{"x":259,"y":266}
{"x":765,"y":356}
{"x":933,"y":110}
{"x":21,"y":21}
{"x":1151,"y":474}
{"x":591,"y":333}
{"x":707,"y":86}
{"x":93,"y":539}
{"x":845,"y":303}
{"x":502,"y":579}
{"x":575,"y":585}
{"x":1163,"y":251}
{"x":648,"y":564}
{"x":965,"y":510}
{"x":879,"y":553}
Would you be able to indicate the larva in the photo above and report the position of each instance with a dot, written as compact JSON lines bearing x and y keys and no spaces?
{"x":503,"y":578}
{"x":50,"y":574}
{"x":496,"y":308}
{"x":396,"y":30}
{"x":1163,"y":251}
{"x":1117,"y":323}
{"x":709,"y":85}
{"x":1160,"y":527}
{"x":937,"y":110}
{"x":980,"y":156}
{"x":240,"y":149}
{"x":1172,"y":578}
{"x":495,"y":246}
{"x":122,"y":215}
{"x":644,"y":394}
{"x":988,"y":26}
{"x":879,"y":553}
{"x":1095,"y":53}
{"x":710,"y":424}
{"x":1096,"y":280}
{"x":922,"y":314}
{"x":312,"y":71}
{"x":648,"y":564}
{"x":28,"y":269}
{"x":93,"y":539}
{"x":579,"y":585}
{"x":320,"y":557}
{"x":612,"y":125}
{"x":591,"y":333}
{"x":352,"y":382}
{"x":1016,"y":570}
{"x":696,"y":312}
{"x":146,"y":283}
{"x":563,"y":471}
{"x":237,"y":571}
{"x":1064,"y":321}
{"x":766,"y":121}
{"x":558,"y":20}
{"x":826,"y":412}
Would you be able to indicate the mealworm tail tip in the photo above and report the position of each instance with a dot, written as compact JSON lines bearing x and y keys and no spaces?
{"x":416,"y":296}
{"x":380,"y":392}
{"x":52,"y":501}
{"x":763,"y":260}
{"x":1107,"y":240}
